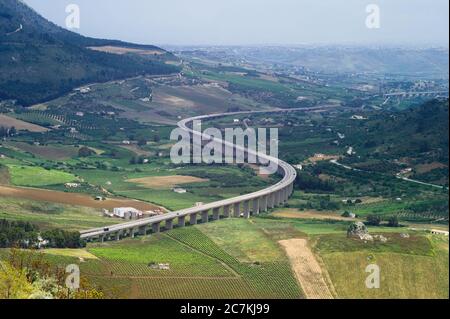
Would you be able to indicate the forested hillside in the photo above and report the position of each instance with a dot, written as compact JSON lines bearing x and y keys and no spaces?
{"x":40,"y":61}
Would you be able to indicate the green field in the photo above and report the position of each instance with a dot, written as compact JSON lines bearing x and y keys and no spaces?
{"x":37,"y":176}
{"x":50,"y":215}
{"x":409,"y":268}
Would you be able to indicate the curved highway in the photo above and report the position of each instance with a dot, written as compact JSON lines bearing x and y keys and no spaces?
{"x":244,"y":205}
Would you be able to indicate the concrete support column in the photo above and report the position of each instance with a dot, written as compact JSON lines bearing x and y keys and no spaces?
{"x":193,"y":219}
{"x":271,"y":198}
{"x":283,"y":195}
{"x":205,"y":218}
{"x":278,"y":198}
{"x":156,"y":227}
{"x":118,"y":235}
{"x":181,"y":221}
{"x":216,"y":213}
{"x":102,"y":238}
{"x":226,"y":211}
{"x":143,"y":230}
{"x":256,"y":206}
{"x":247,"y":209}
{"x":169,"y":224}
{"x":264,"y":203}
{"x":132,"y":232}
{"x":237,"y":210}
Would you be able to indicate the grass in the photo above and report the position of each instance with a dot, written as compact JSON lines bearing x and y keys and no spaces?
{"x":417,"y":267}
{"x":50,"y":215}
{"x":402,"y":275}
{"x":282,"y":283}
{"x":415,"y":245}
{"x":37,"y":176}
{"x":133,"y":257}
{"x":244,"y":240}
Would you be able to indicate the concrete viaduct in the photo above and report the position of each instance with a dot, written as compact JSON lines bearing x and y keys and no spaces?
{"x":242,"y":206}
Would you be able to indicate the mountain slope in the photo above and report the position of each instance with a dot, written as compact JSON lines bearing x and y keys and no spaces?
{"x":40,"y":61}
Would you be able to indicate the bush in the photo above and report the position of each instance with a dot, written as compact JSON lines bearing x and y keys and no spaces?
{"x":85,"y":152}
{"x":373,"y":220}
{"x":393,"y":221}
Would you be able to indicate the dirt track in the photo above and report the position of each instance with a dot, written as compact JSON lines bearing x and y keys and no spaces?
{"x":72,"y":198}
{"x":306,"y":268}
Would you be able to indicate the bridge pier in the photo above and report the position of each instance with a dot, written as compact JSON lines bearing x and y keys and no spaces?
{"x":255,"y":209}
{"x":237,"y":210}
{"x":132,"y":232}
{"x":156,"y":227}
{"x":205,"y":217}
{"x":193,"y":219}
{"x":181,"y":221}
{"x":271,"y":200}
{"x":169,"y":224}
{"x":284,"y":195}
{"x":118,"y":235}
{"x":226,"y":211}
{"x":278,"y":198}
{"x":216,"y":213}
{"x":143,"y":230}
{"x":247,"y":209}
{"x":263,"y":203}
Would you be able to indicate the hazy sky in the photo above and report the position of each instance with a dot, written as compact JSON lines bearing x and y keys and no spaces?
{"x":256,"y":21}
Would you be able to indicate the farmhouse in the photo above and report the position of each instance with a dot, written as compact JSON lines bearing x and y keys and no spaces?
{"x":127,"y":213}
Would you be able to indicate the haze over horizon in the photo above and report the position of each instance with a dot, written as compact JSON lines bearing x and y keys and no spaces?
{"x":256,"y":22}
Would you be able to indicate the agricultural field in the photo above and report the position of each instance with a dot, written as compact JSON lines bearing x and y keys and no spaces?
{"x":197,"y":267}
{"x":50,"y":215}
{"x":37,"y":176}
{"x":7,"y":121}
{"x":415,"y":267}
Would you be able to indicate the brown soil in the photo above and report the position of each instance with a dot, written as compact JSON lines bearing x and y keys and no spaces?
{"x":72,"y":198}
{"x":8,"y":121}
{"x":306,"y":268}
{"x":425,"y":168}
{"x":122,"y":50}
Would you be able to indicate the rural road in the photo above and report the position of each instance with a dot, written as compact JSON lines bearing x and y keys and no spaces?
{"x":335,"y":162}
{"x":289,"y":176}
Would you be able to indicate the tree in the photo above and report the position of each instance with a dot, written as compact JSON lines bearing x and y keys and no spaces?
{"x":373,"y":220}
{"x":85,"y":152}
{"x":393,"y":221}
{"x":13,"y":282}
{"x":12,"y":131}
{"x":142,"y":142}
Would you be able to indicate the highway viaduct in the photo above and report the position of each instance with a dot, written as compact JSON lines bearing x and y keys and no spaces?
{"x":241,"y":206}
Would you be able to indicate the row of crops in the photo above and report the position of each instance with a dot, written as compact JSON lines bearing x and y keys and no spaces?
{"x":282,"y":283}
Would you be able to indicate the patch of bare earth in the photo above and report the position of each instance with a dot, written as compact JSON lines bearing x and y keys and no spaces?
{"x":8,"y":121}
{"x":425,"y":168}
{"x":74,"y":199}
{"x":123,"y":50}
{"x":165,"y":182}
{"x":307,"y":269}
